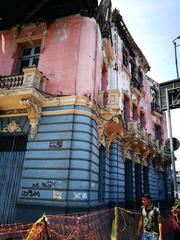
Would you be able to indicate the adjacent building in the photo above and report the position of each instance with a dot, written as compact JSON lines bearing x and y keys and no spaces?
{"x":81,"y":126}
{"x":178,"y":183}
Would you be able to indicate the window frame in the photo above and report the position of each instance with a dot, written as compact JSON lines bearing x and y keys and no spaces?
{"x":30,"y":57}
{"x":158,"y":132}
{"x":125,"y":57}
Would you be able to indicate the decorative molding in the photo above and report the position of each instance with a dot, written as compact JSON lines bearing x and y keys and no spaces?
{"x":34,"y":114}
{"x":13,"y":115}
{"x":140,"y":147}
{"x":12,"y":127}
{"x":70,"y":100}
{"x":108,"y":52}
{"x":110,"y":126}
{"x":70,"y":111}
{"x":139,"y":94}
{"x":13,"y":111}
{"x":29,"y":37}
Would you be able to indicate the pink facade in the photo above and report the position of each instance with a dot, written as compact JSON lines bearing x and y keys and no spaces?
{"x":72,"y":61}
{"x":150,"y":117}
{"x":6,"y":60}
{"x":71,"y":58}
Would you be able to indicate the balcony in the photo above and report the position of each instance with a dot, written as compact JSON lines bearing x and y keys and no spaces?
{"x":15,"y":88}
{"x":155,"y":107}
{"x":106,"y":30}
{"x":109,"y":99}
{"x":108,"y":54}
{"x":139,"y":145}
{"x":140,"y":134}
{"x":21,"y":95}
{"x":136,"y":83}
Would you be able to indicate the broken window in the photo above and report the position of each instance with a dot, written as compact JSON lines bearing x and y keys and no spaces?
{"x":125,"y":57}
{"x":142,"y":119}
{"x":126,"y":108}
{"x":155,"y":106}
{"x":158,"y":132}
{"x":140,"y":76}
{"x":135,"y":112}
{"x":133,"y":68}
{"x":137,"y":77}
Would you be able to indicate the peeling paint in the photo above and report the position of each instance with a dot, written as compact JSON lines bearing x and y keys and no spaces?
{"x":61,"y":35}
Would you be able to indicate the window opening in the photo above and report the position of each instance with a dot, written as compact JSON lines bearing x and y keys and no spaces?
{"x":29,"y":57}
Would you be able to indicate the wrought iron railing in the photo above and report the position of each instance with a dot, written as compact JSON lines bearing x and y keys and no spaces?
{"x":136,"y":83}
{"x":155,"y":107}
{"x":106,"y":30}
{"x":140,"y":133}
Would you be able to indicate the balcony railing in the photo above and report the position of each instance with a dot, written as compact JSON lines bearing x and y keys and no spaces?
{"x":8,"y":82}
{"x":136,"y":83}
{"x":109,"y":98}
{"x":106,"y":30}
{"x":31,"y":78}
{"x":133,"y":128}
{"x":155,"y":107}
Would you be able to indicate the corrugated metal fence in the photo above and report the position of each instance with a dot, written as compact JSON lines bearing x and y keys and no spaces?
{"x":12,"y":150}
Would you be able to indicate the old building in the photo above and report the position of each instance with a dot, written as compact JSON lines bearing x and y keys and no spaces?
{"x":135,"y":96}
{"x":81,"y":126}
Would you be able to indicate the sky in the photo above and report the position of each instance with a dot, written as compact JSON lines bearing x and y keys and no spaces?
{"x":154,"y":24}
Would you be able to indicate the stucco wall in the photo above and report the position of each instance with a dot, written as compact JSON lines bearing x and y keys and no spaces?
{"x":6,"y":60}
{"x":71,"y":58}
{"x":120,"y":78}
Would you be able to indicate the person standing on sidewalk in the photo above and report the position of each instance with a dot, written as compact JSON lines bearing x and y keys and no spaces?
{"x":150,"y":227}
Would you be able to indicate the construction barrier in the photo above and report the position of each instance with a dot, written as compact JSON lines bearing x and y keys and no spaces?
{"x":14,"y":231}
{"x":109,"y":224}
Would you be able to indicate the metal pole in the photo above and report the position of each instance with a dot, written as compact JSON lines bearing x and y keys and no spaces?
{"x":171,"y":144}
{"x":176,"y":61}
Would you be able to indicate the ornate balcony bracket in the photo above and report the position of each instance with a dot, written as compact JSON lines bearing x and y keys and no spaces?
{"x":110,"y":126}
{"x":139,"y":152}
{"x":34,"y":113}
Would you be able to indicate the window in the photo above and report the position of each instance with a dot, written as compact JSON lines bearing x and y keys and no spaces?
{"x":135,"y":112}
{"x":126,"y":108}
{"x":29,"y":57}
{"x":125,"y":57}
{"x":142,"y":119}
{"x":138,"y":184}
{"x":129,"y":183}
{"x":104,"y":78}
{"x":155,"y":106}
{"x":157,"y":132}
{"x":140,"y":77}
{"x":133,"y":68}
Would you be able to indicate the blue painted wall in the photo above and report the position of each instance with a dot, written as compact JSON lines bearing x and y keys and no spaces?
{"x":153,"y":183}
{"x":66,"y":176}
{"x":117,"y":174}
{"x":65,"y":170}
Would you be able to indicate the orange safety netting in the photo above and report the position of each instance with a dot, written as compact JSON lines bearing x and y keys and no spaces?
{"x":96,"y":225}
{"x":14,"y":231}
{"x":109,"y":224}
